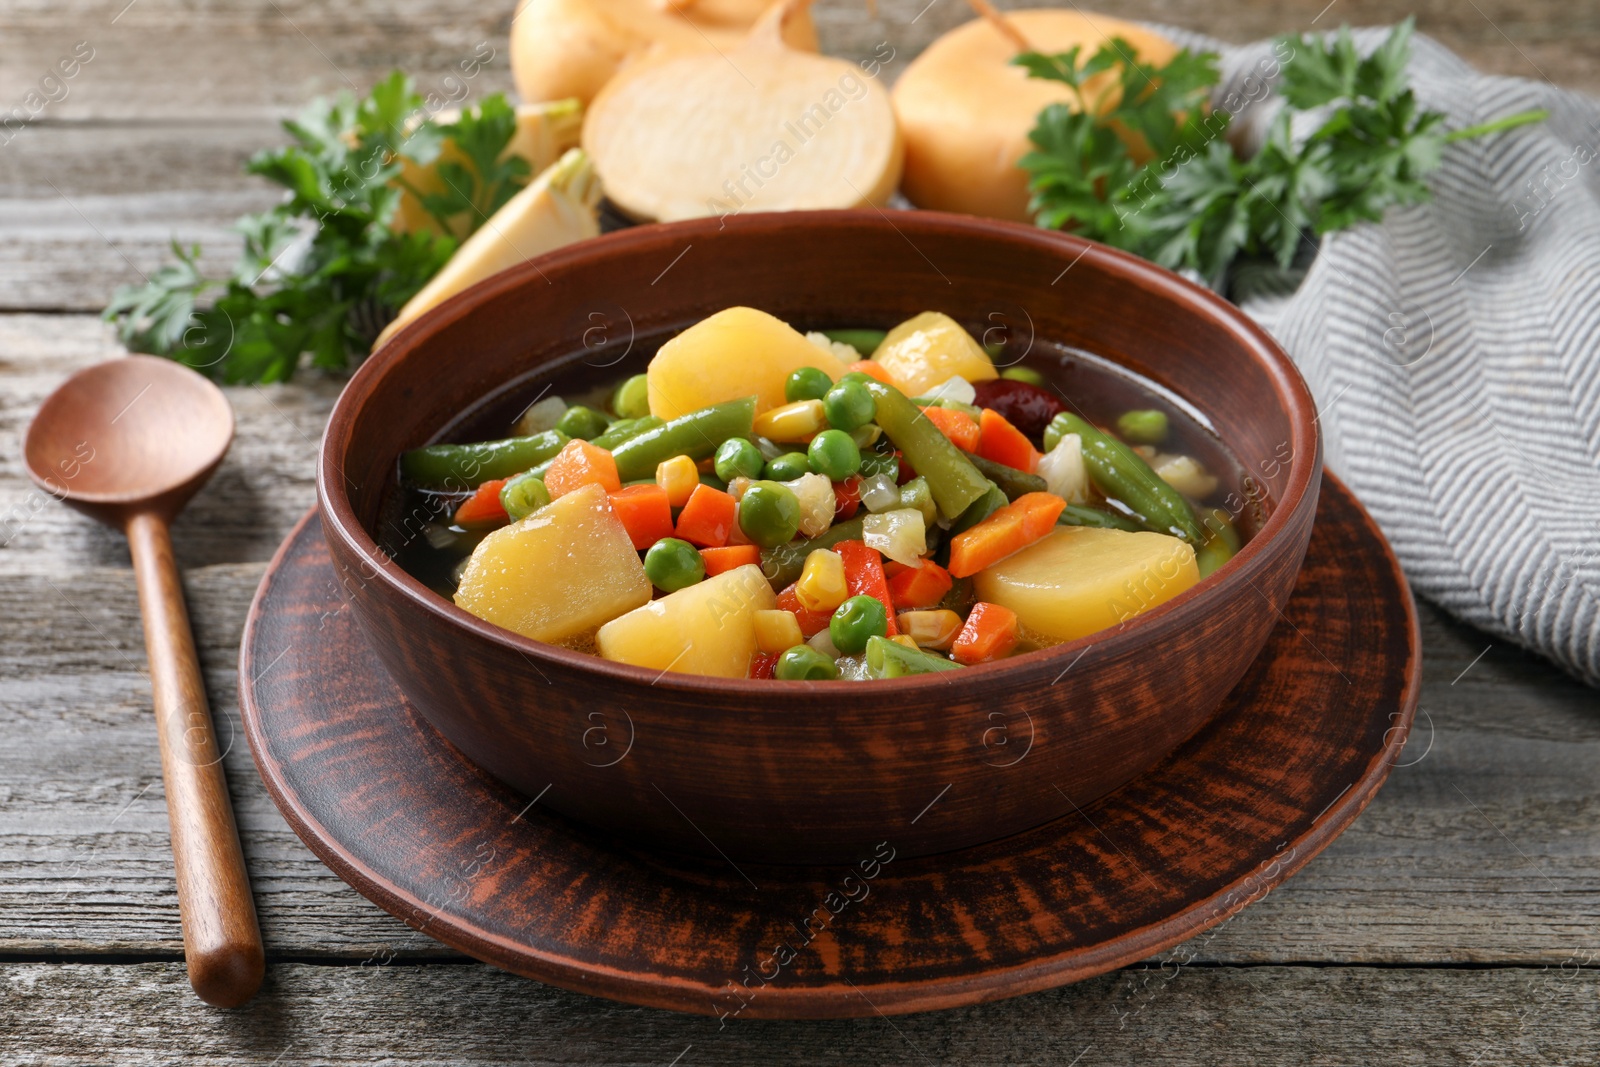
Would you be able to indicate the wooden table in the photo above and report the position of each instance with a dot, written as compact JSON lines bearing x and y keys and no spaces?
{"x":1455,"y":923}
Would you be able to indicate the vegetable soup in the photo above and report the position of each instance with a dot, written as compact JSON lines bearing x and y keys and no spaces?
{"x":848,"y":504}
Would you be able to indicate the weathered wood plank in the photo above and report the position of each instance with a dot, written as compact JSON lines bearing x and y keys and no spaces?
{"x":1484,"y":850}
{"x":193,"y":91}
{"x":254,"y":58}
{"x":261,"y":490}
{"x":82,"y":1014}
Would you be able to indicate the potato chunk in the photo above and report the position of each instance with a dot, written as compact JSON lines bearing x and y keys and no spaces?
{"x":731,"y":354}
{"x":709,"y":628}
{"x":928,"y":350}
{"x":1079,"y":579}
{"x":558,"y":573}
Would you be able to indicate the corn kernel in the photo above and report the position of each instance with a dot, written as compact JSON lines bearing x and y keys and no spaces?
{"x":789,"y":423}
{"x":678,"y":476}
{"x":904,"y":639}
{"x":777,"y":631}
{"x":930,"y":629}
{"x":822,"y":586}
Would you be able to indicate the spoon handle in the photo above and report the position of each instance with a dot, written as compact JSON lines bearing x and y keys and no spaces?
{"x":221,"y":939}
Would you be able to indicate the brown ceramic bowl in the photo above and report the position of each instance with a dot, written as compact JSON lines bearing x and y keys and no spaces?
{"x":802,"y":772}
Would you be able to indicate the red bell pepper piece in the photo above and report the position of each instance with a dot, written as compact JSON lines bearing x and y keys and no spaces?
{"x":863,"y":576}
{"x":811,"y":622}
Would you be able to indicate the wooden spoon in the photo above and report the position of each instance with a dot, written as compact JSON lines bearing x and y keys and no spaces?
{"x":128,"y":442}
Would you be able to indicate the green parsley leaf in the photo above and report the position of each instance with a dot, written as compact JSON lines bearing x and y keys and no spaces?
{"x":321,"y":273}
{"x":1194,"y":205}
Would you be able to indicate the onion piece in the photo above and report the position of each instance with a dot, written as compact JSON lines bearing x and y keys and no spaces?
{"x":562,"y":48}
{"x":555,"y":209}
{"x":763,"y":127}
{"x":965,"y":111}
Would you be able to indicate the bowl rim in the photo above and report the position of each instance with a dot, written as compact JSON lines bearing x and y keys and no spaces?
{"x":339,"y":518}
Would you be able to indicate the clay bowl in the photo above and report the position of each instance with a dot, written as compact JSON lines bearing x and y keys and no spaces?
{"x":804,"y":772}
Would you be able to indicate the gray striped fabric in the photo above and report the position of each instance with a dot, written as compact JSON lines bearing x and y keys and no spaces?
{"x":1454,"y":351}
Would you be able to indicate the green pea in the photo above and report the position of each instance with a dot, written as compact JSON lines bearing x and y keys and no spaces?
{"x":834,"y":455}
{"x":523,"y":495}
{"x":856,"y":376}
{"x":1023,"y":374}
{"x":769,"y":514}
{"x":673,"y":564}
{"x":737,"y":457}
{"x":632,"y":398}
{"x":582,"y":422}
{"x":788,"y":467}
{"x":859,"y":619}
{"x":1145,"y":427}
{"x":849,"y":405}
{"x":806,"y":383}
{"x":802,"y":663}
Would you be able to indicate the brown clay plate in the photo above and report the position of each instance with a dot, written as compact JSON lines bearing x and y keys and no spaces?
{"x":1298,"y":749}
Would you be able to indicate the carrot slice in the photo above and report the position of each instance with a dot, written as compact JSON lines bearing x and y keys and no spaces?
{"x":811,"y":622}
{"x":1010,"y":529}
{"x":876,"y":370}
{"x":708,"y":517}
{"x":483,"y":507}
{"x":920,"y":587}
{"x":956,"y":425}
{"x":580,"y":464}
{"x":863,"y":576}
{"x":991,"y":631}
{"x":725,"y":559}
{"x":1002,"y":442}
{"x":645,"y":513}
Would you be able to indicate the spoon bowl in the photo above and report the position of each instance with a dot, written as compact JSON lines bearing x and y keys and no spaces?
{"x":131,"y":434}
{"x":128,"y":442}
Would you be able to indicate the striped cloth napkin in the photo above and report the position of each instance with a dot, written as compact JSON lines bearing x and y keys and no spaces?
{"x":1454,"y":352}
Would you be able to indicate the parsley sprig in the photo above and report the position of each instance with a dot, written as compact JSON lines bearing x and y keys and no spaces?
{"x":1141,"y":162}
{"x":321,"y":272}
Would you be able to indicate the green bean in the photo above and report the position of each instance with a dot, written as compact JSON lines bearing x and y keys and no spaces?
{"x":695,"y":435}
{"x":915,"y":494}
{"x":1223,"y":543}
{"x":470,"y":465}
{"x":623,"y":429}
{"x":1120,"y":473}
{"x":1084,"y":515}
{"x":990,"y":502}
{"x":1012,"y":482}
{"x":863,"y":341}
{"x":890,"y":659}
{"x":955,"y":482}
{"x":782,"y":564}
{"x":880,"y":463}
